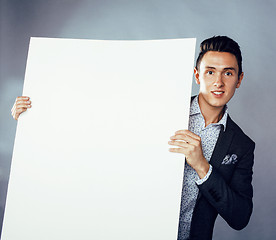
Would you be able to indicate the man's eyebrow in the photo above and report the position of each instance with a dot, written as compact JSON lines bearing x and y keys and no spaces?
{"x":227,"y":68}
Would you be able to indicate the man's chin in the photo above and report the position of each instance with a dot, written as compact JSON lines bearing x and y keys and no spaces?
{"x":217,"y":103}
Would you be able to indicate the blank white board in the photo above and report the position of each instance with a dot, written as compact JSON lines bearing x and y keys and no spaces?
{"x":91,"y":157}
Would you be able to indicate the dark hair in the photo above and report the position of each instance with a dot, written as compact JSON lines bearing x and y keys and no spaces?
{"x":220,"y":44}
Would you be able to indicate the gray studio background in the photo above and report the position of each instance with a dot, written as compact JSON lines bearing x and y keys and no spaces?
{"x":249,"y":22}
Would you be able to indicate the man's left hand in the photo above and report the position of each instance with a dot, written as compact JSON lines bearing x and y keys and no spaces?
{"x":189,"y":144}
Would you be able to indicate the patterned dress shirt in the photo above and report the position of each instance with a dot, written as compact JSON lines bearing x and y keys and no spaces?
{"x":209,"y":136}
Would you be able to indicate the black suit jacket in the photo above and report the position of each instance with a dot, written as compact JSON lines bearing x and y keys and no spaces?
{"x":228,"y":190}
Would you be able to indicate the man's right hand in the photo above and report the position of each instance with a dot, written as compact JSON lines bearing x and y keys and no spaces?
{"x":21,"y":105}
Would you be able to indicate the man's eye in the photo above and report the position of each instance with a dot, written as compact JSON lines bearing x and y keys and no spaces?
{"x":228,"y":74}
{"x":210,"y":72}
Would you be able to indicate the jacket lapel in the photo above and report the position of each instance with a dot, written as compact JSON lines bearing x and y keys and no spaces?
{"x":222,"y":145}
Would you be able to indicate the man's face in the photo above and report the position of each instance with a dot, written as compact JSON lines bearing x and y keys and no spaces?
{"x":218,"y":79}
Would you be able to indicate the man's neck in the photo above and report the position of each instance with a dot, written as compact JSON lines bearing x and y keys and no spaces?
{"x":211,"y":114}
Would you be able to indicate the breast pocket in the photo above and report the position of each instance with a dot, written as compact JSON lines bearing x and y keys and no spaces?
{"x":228,"y":165}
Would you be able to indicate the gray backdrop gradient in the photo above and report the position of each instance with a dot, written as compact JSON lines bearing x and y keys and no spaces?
{"x":250,"y":22}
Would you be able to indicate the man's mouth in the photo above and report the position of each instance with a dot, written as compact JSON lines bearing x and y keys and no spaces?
{"x":218,"y":93}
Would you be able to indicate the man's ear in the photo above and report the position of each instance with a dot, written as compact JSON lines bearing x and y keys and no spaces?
{"x":240,"y":80}
{"x":196,"y":72}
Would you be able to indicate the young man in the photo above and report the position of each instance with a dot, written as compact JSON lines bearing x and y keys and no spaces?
{"x":219,"y":156}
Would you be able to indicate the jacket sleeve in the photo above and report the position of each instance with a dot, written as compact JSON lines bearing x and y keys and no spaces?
{"x":233,"y":200}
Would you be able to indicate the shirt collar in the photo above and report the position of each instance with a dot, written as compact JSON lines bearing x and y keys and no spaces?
{"x":195,"y":109}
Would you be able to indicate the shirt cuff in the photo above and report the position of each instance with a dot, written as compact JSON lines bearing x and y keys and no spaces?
{"x":200,"y":181}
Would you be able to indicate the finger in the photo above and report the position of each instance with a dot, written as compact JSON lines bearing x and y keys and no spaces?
{"x":23,"y":102}
{"x":176,"y":150}
{"x":185,"y":138}
{"x":179,"y":144}
{"x":14,"y":115}
{"x":13,"y":110}
{"x":22,"y":98}
{"x":189,"y":133}
{"x":13,"y":107}
{"x":23,"y":106}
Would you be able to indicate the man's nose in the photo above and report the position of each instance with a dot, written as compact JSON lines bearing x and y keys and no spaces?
{"x":218,"y":81}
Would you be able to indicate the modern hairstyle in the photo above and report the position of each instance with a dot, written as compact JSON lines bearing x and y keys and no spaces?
{"x":220,"y":44}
